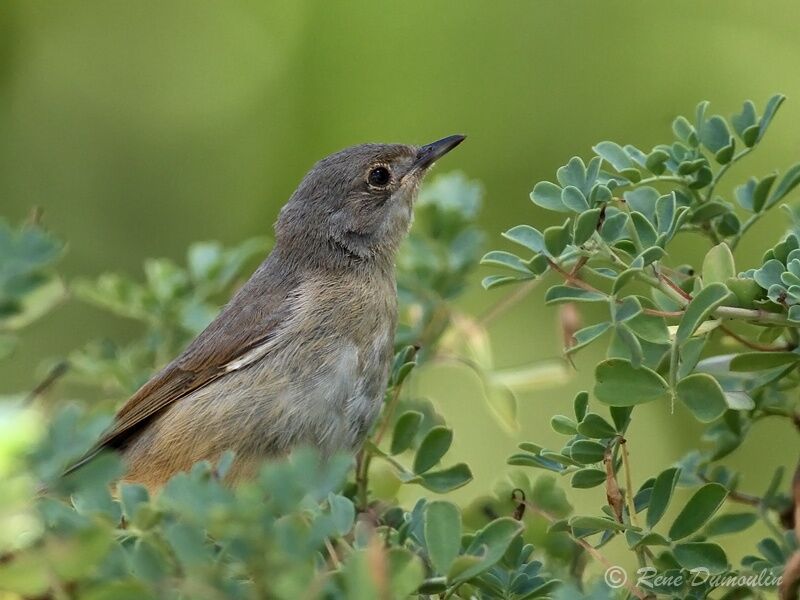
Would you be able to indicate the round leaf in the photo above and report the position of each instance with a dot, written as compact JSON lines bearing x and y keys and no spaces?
{"x":702,"y":395}
{"x":618,"y":383}
{"x":442,"y":534}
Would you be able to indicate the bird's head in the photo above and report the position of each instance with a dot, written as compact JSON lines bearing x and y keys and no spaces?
{"x":355,"y":206}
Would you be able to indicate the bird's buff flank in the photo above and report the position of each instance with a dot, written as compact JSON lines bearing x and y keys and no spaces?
{"x":301,"y":353}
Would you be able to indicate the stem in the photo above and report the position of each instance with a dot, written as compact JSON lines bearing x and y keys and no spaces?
{"x":743,"y":229}
{"x":508,"y":302}
{"x":754,"y":345}
{"x":724,"y":170}
{"x":623,"y":443}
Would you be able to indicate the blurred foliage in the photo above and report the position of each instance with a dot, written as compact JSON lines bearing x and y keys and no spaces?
{"x":624,"y":212}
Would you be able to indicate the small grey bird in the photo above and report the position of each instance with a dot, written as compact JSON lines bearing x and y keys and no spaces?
{"x":301,"y":353}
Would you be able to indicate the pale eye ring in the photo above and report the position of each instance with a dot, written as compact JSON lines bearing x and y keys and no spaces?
{"x":379,"y":176}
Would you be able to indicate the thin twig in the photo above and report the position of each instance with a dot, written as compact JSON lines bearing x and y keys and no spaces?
{"x":623,"y":444}
{"x":755,"y":345}
{"x":507,"y":303}
{"x":52,"y":376}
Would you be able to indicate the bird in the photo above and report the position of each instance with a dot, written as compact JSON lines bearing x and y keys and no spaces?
{"x":300,"y":355}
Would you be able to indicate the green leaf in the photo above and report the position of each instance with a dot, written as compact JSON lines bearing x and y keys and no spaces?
{"x":769,"y":274}
{"x":761,"y":192}
{"x":580,"y":404}
{"x":573,"y":173}
{"x":445,"y":480}
{"x":405,"y":430}
{"x":574,"y":199}
{"x":642,"y":199}
{"x":700,"y":508}
{"x":699,"y":309}
{"x":703,"y":396}
{"x":557,"y":238}
{"x":760,"y":361}
{"x":343,"y":513}
{"x":563,"y":425}
{"x":526,"y":236}
{"x":613,"y":227}
{"x":595,"y":426}
{"x":613,"y":154}
{"x":773,"y":104}
{"x":506,"y":259}
{"x":787,"y":183}
{"x":494,"y":281}
{"x":684,"y":131}
{"x":442,"y":534}
{"x":587,"y":451}
{"x":701,"y":555}
{"x":488,"y":545}
{"x":665,"y":212}
{"x":548,"y":195}
{"x":656,"y":161}
{"x":644,"y":230}
{"x":596,"y":523}
{"x":661,"y":495}
{"x":718,"y":264}
{"x":618,"y":383}
{"x":564,"y":293}
{"x":587,"y":335}
{"x":745,"y":119}
{"x":729,"y":523}
{"x":588,"y":478}
{"x":585,"y":225}
{"x":432,"y":448}
{"x":715,"y":135}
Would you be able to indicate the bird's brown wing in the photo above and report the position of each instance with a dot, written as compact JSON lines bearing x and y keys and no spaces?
{"x":246,"y":323}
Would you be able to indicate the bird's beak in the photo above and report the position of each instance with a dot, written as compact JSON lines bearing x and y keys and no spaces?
{"x":427,"y":155}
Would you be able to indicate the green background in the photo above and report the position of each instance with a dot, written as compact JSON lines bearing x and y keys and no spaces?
{"x":140,"y":127}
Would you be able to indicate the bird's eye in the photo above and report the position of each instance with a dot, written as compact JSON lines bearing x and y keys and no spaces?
{"x":379,"y":177}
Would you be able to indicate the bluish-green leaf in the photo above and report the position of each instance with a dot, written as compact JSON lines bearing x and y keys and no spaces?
{"x":703,"y":396}
{"x":700,"y":508}
{"x":574,"y":199}
{"x":548,"y":195}
{"x":588,"y":478}
{"x":442,"y":534}
{"x":405,"y":430}
{"x":505,"y":259}
{"x":585,"y":225}
{"x":557,"y":238}
{"x":595,"y":426}
{"x":587,"y":451}
{"x":618,"y":383}
{"x":701,"y":555}
{"x":564,"y":293}
{"x":432,"y":448}
{"x":526,"y":236}
{"x":445,"y":480}
{"x":730,"y":523}
{"x":700,"y":308}
{"x":718,"y":264}
{"x":661,"y":495}
{"x":643,"y":200}
{"x":773,"y":104}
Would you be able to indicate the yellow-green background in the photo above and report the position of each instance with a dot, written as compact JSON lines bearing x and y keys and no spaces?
{"x":143,"y":126}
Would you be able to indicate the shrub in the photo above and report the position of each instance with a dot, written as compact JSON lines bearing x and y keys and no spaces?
{"x":719,"y":341}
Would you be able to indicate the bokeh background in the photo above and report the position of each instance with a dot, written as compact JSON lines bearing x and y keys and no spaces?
{"x":140,"y":127}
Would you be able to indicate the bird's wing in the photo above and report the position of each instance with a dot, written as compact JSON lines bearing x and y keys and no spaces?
{"x":241,"y":334}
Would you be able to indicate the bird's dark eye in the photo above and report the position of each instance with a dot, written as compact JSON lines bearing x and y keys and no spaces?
{"x":379,"y":177}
